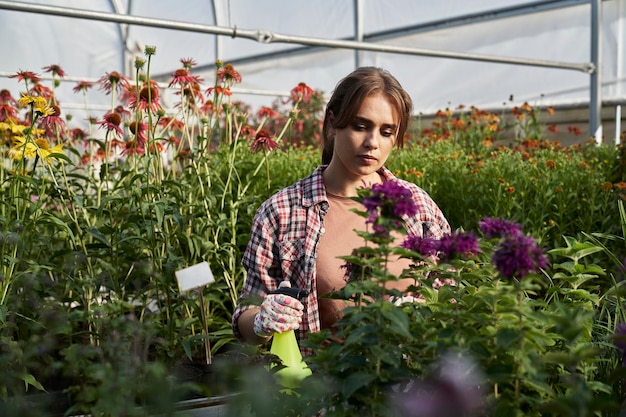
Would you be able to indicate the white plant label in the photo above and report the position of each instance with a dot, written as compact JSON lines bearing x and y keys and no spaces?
{"x":194,"y":276}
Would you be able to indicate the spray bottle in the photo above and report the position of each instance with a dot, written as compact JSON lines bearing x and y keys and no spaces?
{"x":285,"y":346}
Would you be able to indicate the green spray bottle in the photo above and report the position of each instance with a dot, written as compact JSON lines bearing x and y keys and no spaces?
{"x":285,"y":346}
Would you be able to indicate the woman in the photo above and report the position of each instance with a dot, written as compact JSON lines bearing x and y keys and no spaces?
{"x":299,"y":233}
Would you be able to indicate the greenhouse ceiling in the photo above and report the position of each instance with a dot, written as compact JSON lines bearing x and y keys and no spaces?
{"x":446,"y":53}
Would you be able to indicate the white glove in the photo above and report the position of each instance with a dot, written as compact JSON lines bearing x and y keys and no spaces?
{"x":279,"y":313}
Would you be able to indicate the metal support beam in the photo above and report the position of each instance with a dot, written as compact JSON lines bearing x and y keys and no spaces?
{"x":595,"y":89}
{"x":264,"y":36}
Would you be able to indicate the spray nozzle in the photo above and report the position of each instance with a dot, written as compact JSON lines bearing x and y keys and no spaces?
{"x":296,"y":293}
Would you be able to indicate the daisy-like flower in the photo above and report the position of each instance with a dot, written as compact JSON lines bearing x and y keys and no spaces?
{"x":39,"y":104}
{"x":56,"y":70}
{"x":53,"y":124}
{"x":497,"y":228}
{"x":22,"y":148}
{"x":517,"y":256}
{"x":263,"y":141}
{"x":42,"y":91}
{"x":6,"y":97}
{"x":149,"y":96}
{"x":113,"y":81}
{"x":45,"y":152}
{"x":111,"y":122}
{"x":140,"y":131}
{"x":219,"y":91}
{"x":133,"y":148}
{"x":267,"y":112}
{"x":228,"y":75}
{"x":188,"y":63}
{"x":182,"y":77}
{"x":301,"y":92}
{"x":26,"y":76}
{"x":82,"y":86}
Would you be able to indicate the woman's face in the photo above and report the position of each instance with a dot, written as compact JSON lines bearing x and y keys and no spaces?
{"x":362,"y":147}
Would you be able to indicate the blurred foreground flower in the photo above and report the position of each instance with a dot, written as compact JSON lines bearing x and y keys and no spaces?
{"x":453,"y":391}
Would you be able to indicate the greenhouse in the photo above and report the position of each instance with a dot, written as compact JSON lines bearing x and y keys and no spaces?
{"x":181,"y":183}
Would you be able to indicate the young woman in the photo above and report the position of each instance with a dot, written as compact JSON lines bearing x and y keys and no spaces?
{"x":299,"y":233}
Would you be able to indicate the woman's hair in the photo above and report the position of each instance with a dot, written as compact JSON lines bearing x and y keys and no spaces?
{"x":349,"y":95}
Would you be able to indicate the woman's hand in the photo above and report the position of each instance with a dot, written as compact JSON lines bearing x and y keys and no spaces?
{"x":279,"y":313}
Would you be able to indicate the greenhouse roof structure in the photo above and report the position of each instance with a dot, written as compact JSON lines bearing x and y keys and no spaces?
{"x":447,"y":53}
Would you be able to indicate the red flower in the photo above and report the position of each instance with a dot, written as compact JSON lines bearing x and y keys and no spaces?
{"x":55,"y":70}
{"x":111,"y":122}
{"x":188,"y":63}
{"x":301,"y":92}
{"x":183,"y":78}
{"x":112,"y":80}
{"x":219,"y":91}
{"x":26,"y":76}
{"x":139,"y":130}
{"x":263,"y":141}
{"x":42,"y":91}
{"x":54,"y":124}
{"x":148,"y":98}
{"x":82,"y":86}
{"x":228,"y":75}
{"x":267,"y":112}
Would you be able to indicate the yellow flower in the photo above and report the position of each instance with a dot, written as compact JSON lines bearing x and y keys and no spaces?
{"x":22,"y":148}
{"x":39,"y":104}
{"x":43,"y":148}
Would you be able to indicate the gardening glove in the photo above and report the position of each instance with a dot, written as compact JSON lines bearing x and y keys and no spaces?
{"x":279,"y":313}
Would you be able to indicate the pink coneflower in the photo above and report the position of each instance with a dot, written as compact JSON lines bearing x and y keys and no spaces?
{"x":301,"y":92}
{"x":7,"y":112}
{"x":248,"y":132}
{"x":207,"y":107}
{"x":26,"y":76}
{"x":111,"y":122}
{"x":41,"y":91}
{"x":82,"y":86}
{"x":148,"y":98}
{"x":267,"y":112}
{"x":78,"y":134}
{"x":55,"y":70}
{"x":7,"y":98}
{"x":53,"y":124}
{"x":192,"y":93}
{"x":113,"y":80}
{"x":139,"y":130}
{"x":188,"y":63}
{"x":228,"y":75}
{"x":182,"y":77}
{"x":171,"y":123}
{"x":263,"y":142}
{"x":219,"y":91}
{"x":133,"y":147}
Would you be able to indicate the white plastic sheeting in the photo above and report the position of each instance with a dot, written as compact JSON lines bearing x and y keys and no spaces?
{"x":550,"y":30}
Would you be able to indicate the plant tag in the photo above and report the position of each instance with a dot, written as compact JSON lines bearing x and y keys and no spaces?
{"x":194,"y":276}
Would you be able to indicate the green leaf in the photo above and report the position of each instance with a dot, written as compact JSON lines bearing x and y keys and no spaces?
{"x":356,"y":381}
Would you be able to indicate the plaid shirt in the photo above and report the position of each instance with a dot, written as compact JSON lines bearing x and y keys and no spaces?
{"x":286,"y":231}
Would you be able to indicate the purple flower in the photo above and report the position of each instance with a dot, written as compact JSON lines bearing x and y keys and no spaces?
{"x":494,"y":227}
{"x":450,"y":246}
{"x":458,"y":244}
{"x":517,"y":256}
{"x":389,"y":199}
{"x":425,"y":246}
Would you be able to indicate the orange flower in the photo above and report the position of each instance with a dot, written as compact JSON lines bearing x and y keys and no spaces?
{"x":552,"y":128}
{"x":574,"y":129}
{"x":550,"y":110}
{"x":510,"y":190}
{"x":606,"y":186}
{"x":550,"y":164}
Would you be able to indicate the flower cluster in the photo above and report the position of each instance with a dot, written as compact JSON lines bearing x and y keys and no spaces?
{"x":387,"y":204}
{"x":456,"y":244}
{"x":516,"y":255}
